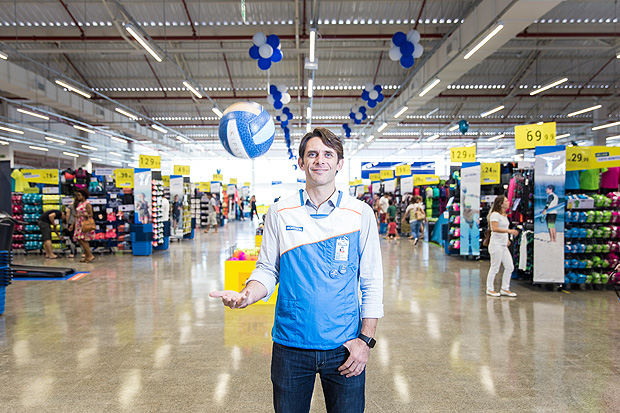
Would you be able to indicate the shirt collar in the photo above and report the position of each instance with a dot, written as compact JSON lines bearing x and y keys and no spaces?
{"x":332,"y":200}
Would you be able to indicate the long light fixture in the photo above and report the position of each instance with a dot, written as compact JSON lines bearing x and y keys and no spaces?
{"x":124,"y":112}
{"x":496,"y":137}
{"x":310,"y":88}
{"x":401,"y":151}
{"x":11,"y":130}
{"x":609,"y":125}
{"x":4,"y":143}
{"x":579,"y":112}
{"x":415,"y":145}
{"x":92,"y":148}
{"x":74,"y":155}
{"x":549,"y":86}
{"x":432,"y":138}
{"x":428,"y":87}
{"x":312,"y":45}
{"x":308,"y":128}
{"x":38,"y":148}
{"x":217,"y":111}
{"x":613,"y":137}
{"x":182,"y":139}
{"x":431,"y":112}
{"x":562,"y":136}
{"x":143,"y":42}
{"x":308,"y":112}
{"x":116,"y":154}
{"x":73,"y":89}
{"x":3,"y":56}
{"x":360,"y":146}
{"x":96,"y":159}
{"x":116,"y":162}
{"x":36,"y":115}
{"x":371,"y":137}
{"x":60,"y":141}
{"x":117,"y":139}
{"x":401,"y":111}
{"x":492,"y":111}
{"x":383,"y":126}
{"x":159,"y":128}
{"x":497,"y":150}
{"x":82,"y":128}
{"x":453,"y":127}
{"x":484,"y":41}
{"x":192,"y":89}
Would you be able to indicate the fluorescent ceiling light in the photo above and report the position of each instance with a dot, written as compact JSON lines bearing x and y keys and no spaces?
{"x":310,"y":87}
{"x":470,"y":145}
{"x":210,"y":152}
{"x":116,"y":162}
{"x":115,"y":154}
{"x":539,"y":123}
{"x":490,"y":112}
{"x":60,"y":141}
{"x":4,"y":143}
{"x":428,"y":87}
{"x":579,"y":112}
{"x":401,"y":111}
{"x":432,"y":138}
{"x":496,"y":137}
{"x":431,"y":112}
{"x":401,"y":151}
{"x":308,"y":128}
{"x":192,"y":89}
{"x":3,"y":56}
{"x":38,"y":148}
{"x":96,"y":159}
{"x":371,"y":137}
{"x":92,"y":148}
{"x":117,"y":139}
{"x":415,"y":145}
{"x":308,"y":112}
{"x":160,"y":129}
{"x":453,"y":127}
{"x":217,"y":111}
{"x":37,"y":115}
{"x":75,"y":155}
{"x":360,"y":146}
{"x":135,"y":158}
{"x":82,"y":128}
{"x":312,"y":45}
{"x":497,"y":150}
{"x":72,"y":88}
{"x":182,"y":139}
{"x":549,"y":86}
{"x":383,"y":126}
{"x":613,"y":137}
{"x":488,"y":37}
{"x":609,"y":125}
{"x":124,"y":112}
{"x":565,"y":135}
{"x":140,"y":39}
{"x":11,"y":130}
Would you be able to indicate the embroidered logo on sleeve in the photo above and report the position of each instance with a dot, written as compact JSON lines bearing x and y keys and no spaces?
{"x":293,"y":228}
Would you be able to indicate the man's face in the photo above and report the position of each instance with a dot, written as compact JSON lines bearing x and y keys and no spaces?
{"x":320,"y":163}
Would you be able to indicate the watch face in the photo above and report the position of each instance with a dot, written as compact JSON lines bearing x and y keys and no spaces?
{"x":372,"y":342}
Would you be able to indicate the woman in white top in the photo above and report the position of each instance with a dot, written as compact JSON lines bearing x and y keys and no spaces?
{"x":498,"y":247}
{"x":410,"y":214}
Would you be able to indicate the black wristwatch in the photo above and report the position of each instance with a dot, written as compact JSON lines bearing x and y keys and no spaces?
{"x":368,"y":340}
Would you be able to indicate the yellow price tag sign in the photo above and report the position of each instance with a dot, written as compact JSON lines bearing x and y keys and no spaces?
{"x":148,"y":161}
{"x":365,"y":189}
{"x":578,"y":158}
{"x":425,"y":179}
{"x":181,"y":169}
{"x":489,"y":173}
{"x":166,"y":179}
{"x":375,"y":177}
{"x":204,"y":186}
{"x":233,"y":181}
{"x":124,"y":177}
{"x":351,"y":183}
{"x":531,"y":136}
{"x":41,"y":176}
{"x":247,"y":184}
{"x":218,"y":177}
{"x":403,"y":170}
{"x":358,"y":182}
{"x":464,"y":154}
{"x":387,"y":174}
{"x":225,"y":188}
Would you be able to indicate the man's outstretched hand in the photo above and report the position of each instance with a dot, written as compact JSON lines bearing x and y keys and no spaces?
{"x":232,"y":299}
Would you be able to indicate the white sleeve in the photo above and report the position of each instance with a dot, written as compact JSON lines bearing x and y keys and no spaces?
{"x":371,"y":266}
{"x":268,"y":264}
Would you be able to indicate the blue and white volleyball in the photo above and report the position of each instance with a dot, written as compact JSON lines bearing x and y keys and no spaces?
{"x":246,"y":130}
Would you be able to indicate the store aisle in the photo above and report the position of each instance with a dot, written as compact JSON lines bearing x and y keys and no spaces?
{"x":141,"y":334}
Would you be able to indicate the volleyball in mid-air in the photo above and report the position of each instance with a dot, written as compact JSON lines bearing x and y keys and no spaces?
{"x":246,"y":130}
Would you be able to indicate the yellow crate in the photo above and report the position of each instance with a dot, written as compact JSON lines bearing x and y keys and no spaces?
{"x":236,"y":274}
{"x":258,"y":239}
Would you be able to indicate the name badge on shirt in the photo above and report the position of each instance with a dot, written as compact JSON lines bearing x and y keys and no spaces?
{"x":342,"y":249}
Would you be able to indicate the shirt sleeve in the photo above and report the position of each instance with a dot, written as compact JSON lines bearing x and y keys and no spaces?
{"x":371,"y":266}
{"x":268,"y":263}
{"x":494,"y":217}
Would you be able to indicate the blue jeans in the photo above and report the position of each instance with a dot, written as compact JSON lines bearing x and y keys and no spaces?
{"x":294,"y":370}
{"x":415,"y":228}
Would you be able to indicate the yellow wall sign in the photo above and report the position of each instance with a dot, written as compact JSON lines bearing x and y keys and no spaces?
{"x":218,"y":177}
{"x":531,"y":136}
{"x":425,"y":179}
{"x":375,"y":177}
{"x":358,"y":182}
{"x":246,"y":184}
{"x":147,"y":161}
{"x":387,"y":174}
{"x":41,"y":176}
{"x":166,"y":179}
{"x":464,"y":154}
{"x":489,"y":173}
{"x":124,"y":177}
{"x":403,"y":170}
{"x":204,"y":186}
{"x":233,"y":181}
{"x":181,"y":169}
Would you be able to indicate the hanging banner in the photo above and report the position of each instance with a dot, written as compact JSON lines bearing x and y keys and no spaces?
{"x":403,"y":170}
{"x":142,"y":203}
{"x":41,"y":176}
{"x":592,"y":157}
{"x":489,"y":173}
{"x":204,"y":186}
{"x":470,"y":209}
{"x":389,"y":185}
{"x":531,"y":136}
{"x":550,"y":172}
{"x":406,"y":185}
{"x":233,"y":181}
{"x":181,"y":169}
{"x":124,"y":178}
{"x":375,"y":177}
{"x":176,"y":204}
{"x":230,"y":189}
{"x":215,"y":187}
{"x":423,"y":179}
{"x":166,"y":179}
{"x":148,"y":161}
{"x":218,"y":177}
{"x":376,"y":187}
{"x":359,"y":190}
{"x":387,"y":174}
{"x":463,"y":154}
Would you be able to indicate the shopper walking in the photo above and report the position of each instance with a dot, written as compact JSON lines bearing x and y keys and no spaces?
{"x":416,"y":217}
{"x":498,"y":247}
{"x":213,"y":210}
{"x":47,"y":223}
{"x":84,"y":215}
{"x":384,"y":203}
{"x":177,"y":207}
{"x":320,"y":245}
{"x":253,"y":209}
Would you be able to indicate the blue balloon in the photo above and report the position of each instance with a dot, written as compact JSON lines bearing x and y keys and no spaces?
{"x":463,"y":126}
{"x":278,"y":118}
{"x":364,"y":95}
{"x":378,"y":88}
{"x":273,"y":89}
{"x":407,"y":49}
{"x":372,"y":103}
{"x":277,"y":95}
{"x":274,"y":41}
{"x":345,"y":125}
{"x":254,"y":52}
{"x":399,"y":38}
{"x":357,"y":121}
{"x":278,"y":104}
{"x":286,"y":110}
{"x":283,"y":123}
{"x":276,"y":56}
{"x":363,"y":109}
{"x":289,"y":115}
{"x":380,"y":97}
{"x":286,"y":130}
{"x":352,"y":115}
{"x":364,"y":116}
{"x":264,"y":64}
{"x":406,"y":61}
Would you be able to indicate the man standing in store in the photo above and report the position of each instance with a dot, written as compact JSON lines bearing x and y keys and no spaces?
{"x":384,"y":204}
{"x":322,"y":246}
{"x":46,"y":222}
{"x":212,"y":218}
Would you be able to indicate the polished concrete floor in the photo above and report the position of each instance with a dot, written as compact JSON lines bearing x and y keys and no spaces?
{"x":141,"y":334}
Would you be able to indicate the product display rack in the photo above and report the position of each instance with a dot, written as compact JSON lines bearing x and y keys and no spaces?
{"x":187,"y":213}
{"x":204,"y":210}
{"x":157,"y":194}
{"x":453,"y":243}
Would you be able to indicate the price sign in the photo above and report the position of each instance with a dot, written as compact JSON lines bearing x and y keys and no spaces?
{"x":578,"y":158}
{"x":204,"y":186}
{"x":403,"y":170}
{"x":246,"y":184}
{"x":41,"y":176}
{"x":233,"y":181}
{"x":464,"y":154}
{"x":489,"y":173}
{"x":225,"y":188}
{"x":152,"y":162}
{"x":124,"y":178}
{"x":218,"y":177}
{"x":365,"y":189}
{"x":166,"y":179}
{"x":531,"y":136}
{"x":424,"y":179}
{"x":181,"y":169}
{"x":351,"y":183}
{"x":358,"y":182}
{"x":375,"y":177}
{"x":387,"y":174}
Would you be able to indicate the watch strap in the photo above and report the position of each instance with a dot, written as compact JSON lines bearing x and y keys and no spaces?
{"x":370,"y":342}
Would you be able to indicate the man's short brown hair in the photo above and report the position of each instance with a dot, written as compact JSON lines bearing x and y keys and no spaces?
{"x":327,"y":137}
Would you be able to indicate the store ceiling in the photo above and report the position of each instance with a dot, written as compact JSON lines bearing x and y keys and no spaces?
{"x":208,"y":42}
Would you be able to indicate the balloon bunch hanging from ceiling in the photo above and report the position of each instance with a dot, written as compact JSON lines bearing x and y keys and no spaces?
{"x":358,"y":114}
{"x":266,"y":50}
{"x":284,"y":116}
{"x":346,"y":130}
{"x":278,"y":96}
{"x":372,"y":94}
{"x":406,"y":48}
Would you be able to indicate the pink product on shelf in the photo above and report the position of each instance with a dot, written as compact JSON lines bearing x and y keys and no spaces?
{"x":613,"y":259}
{"x":18,"y":217}
{"x":613,"y":246}
{"x":17,"y":209}
{"x":19,"y":227}
{"x":18,"y":246}
{"x":18,"y":237}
